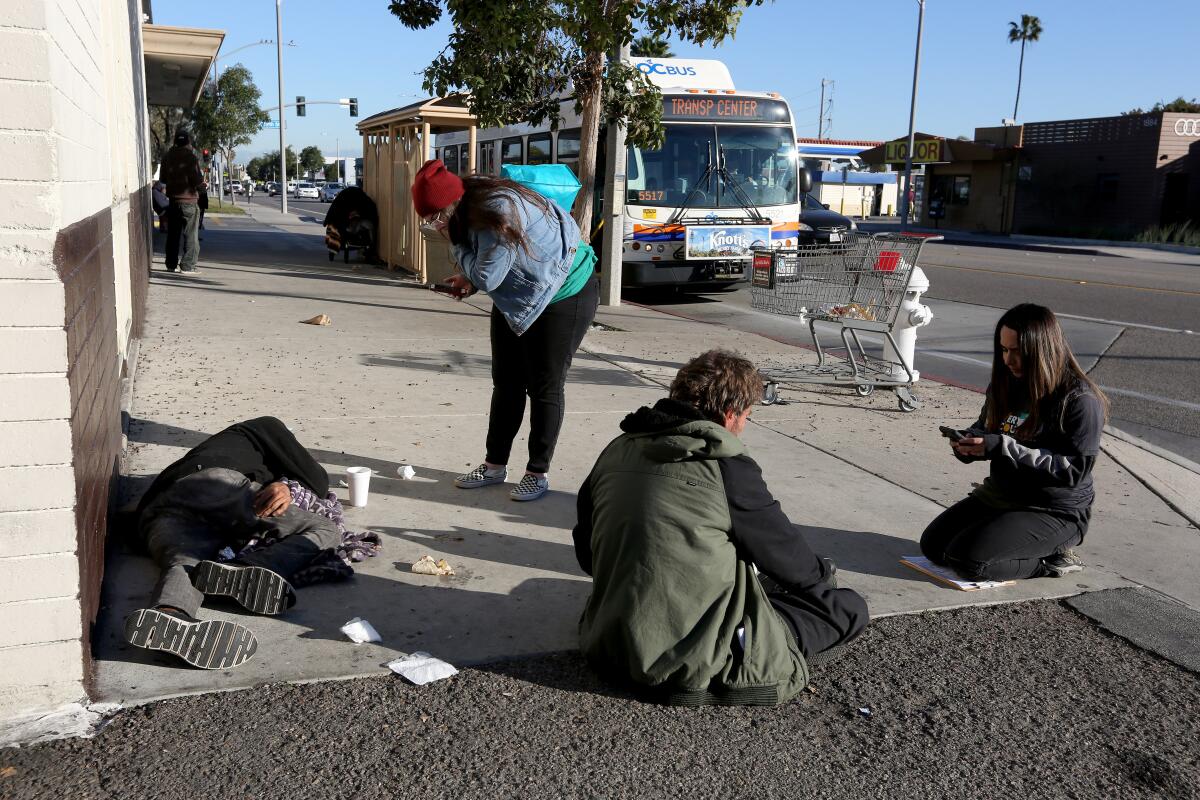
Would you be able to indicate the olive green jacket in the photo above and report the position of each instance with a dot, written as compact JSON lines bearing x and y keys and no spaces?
{"x":670,"y":590}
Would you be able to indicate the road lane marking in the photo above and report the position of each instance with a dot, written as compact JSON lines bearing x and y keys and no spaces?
{"x":1077,"y":281}
{"x":1158,"y":328}
{"x":1153,"y":398}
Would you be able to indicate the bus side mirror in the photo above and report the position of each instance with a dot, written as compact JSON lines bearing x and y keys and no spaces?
{"x":805,"y":180}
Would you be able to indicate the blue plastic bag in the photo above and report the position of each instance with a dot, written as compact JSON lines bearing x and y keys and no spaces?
{"x":554,"y":181}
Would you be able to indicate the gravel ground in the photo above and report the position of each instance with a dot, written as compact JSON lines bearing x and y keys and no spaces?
{"x":1026,"y":700}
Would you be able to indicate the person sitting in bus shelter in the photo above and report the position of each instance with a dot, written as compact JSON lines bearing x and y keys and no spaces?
{"x":703,"y":591}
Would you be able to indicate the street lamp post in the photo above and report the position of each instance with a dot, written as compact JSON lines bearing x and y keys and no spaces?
{"x":282,"y":116}
{"x":912,"y":116}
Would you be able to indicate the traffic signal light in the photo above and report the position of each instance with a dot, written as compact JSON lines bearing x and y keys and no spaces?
{"x":300,"y":110}
{"x":205,"y":152}
{"x":354,"y":106}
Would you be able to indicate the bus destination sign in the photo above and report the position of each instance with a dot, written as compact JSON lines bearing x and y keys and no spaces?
{"x":702,"y":108}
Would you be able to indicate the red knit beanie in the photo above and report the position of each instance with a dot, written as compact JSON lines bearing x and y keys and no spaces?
{"x":434,"y":188}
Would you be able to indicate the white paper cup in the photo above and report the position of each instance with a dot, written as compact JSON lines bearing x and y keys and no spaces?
{"x":359,"y":479}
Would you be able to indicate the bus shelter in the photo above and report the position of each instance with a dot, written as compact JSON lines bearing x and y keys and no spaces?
{"x":395,"y":145}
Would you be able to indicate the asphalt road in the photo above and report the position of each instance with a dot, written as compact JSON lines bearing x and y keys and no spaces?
{"x":1026,"y":700}
{"x":1124,"y":316}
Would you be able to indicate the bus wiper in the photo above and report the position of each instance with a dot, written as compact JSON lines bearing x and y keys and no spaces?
{"x":706,"y":177}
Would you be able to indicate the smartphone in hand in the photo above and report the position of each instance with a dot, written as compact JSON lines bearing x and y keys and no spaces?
{"x":953,"y":434}
{"x":443,"y":288}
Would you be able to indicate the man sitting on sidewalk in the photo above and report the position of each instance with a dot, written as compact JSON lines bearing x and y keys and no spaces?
{"x":230,"y":489}
{"x":673,"y":520}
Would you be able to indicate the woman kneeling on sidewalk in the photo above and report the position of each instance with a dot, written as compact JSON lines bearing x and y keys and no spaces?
{"x":526,"y":253}
{"x":1040,"y":429}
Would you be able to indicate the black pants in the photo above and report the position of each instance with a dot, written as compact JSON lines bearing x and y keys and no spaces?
{"x":984,"y":543}
{"x":182,"y":223}
{"x":535,"y":364}
{"x":820,"y":616}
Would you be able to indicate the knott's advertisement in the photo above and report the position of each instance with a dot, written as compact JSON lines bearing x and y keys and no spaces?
{"x":725,"y":241}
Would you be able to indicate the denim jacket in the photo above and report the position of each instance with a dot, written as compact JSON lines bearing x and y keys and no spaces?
{"x":521,"y":284}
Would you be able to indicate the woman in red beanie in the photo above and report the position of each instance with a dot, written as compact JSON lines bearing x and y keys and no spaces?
{"x":525,"y":252}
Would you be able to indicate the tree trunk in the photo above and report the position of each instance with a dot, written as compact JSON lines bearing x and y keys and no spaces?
{"x":589,"y":137}
{"x":1020,"y":73}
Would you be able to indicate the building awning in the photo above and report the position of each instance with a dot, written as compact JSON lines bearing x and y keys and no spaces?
{"x":449,"y":113}
{"x":177,"y":63}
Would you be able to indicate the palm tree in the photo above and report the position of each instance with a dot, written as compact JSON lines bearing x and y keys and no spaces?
{"x":650,"y":47}
{"x":1030,"y":30}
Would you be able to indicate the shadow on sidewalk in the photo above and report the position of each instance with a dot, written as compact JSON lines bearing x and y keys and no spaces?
{"x":864,"y":552}
{"x":484,"y":545}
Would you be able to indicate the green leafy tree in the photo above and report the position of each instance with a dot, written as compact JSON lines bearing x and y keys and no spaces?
{"x":516,"y":59}
{"x":332,"y":172}
{"x":1030,"y":30}
{"x":271,"y":164}
{"x":650,"y":47}
{"x":311,"y":160}
{"x":228,"y":117}
{"x":1179,"y":104}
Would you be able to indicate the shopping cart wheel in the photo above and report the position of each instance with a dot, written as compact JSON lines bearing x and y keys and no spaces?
{"x":907,"y":400}
{"x":770,"y":393}
{"x":864,"y":389}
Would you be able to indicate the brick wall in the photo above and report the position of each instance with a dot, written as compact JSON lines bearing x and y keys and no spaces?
{"x":74,"y":255}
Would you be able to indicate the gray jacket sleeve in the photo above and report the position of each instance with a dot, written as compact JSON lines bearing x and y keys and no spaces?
{"x":1083,"y":422}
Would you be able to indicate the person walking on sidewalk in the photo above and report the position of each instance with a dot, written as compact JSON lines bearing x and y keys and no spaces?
{"x":1040,"y":429}
{"x":674,"y":519}
{"x":226,"y":491}
{"x":181,"y":173}
{"x":525,"y":252}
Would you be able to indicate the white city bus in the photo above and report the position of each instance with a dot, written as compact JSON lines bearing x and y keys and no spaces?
{"x":725,"y":181}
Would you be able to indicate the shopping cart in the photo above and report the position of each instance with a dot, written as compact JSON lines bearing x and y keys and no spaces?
{"x":860,"y":285}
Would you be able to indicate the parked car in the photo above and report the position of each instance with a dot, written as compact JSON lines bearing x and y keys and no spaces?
{"x":272,"y":188}
{"x":306,"y":191}
{"x":291,"y":187}
{"x":330,"y":191}
{"x":819,"y":225}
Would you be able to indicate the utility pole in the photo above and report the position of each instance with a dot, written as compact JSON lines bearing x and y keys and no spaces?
{"x":337,"y":160}
{"x":282,"y":116}
{"x":821,"y":110}
{"x":613,"y":212}
{"x":912,"y":117}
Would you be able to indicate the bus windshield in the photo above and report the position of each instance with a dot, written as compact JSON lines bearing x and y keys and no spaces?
{"x":761,"y":160}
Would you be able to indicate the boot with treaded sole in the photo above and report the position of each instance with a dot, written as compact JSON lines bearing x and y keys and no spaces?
{"x":256,"y":589}
{"x":211,"y":644}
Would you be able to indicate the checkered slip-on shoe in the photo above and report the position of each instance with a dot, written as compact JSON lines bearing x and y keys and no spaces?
{"x":211,"y":644}
{"x":255,"y":589}
{"x":531,"y":487}
{"x":481,"y":476}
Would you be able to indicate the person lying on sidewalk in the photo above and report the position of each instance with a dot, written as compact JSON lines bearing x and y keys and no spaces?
{"x":254,"y":489}
{"x":1040,"y":429}
{"x":674,"y":519}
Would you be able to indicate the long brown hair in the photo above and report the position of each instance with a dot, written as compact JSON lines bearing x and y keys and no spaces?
{"x":476,"y":212}
{"x":1049,"y":371}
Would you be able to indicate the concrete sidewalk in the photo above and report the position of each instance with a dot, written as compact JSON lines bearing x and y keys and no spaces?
{"x":403,"y":376}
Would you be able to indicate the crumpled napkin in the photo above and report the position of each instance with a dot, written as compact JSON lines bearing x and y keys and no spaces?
{"x":421,"y":668}
{"x":360,"y":631}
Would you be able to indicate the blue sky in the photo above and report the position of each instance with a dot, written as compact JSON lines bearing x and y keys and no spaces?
{"x":1091,"y":61}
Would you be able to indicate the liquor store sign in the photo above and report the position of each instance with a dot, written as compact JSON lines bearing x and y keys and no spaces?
{"x":925,"y":151}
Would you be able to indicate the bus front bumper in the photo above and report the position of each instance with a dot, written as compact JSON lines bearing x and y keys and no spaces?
{"x":699,"y":274}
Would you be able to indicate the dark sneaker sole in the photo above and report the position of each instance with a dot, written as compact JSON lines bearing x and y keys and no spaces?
{"x":253,"y":588}
{"x":212,"y":644}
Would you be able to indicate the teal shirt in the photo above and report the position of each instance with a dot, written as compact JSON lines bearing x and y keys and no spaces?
{"x":582,"y":268}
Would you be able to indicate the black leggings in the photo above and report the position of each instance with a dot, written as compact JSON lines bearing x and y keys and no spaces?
{"x":535,"y":364}
{"x":984,"y":543}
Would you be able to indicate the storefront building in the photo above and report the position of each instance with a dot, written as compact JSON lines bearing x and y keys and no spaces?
{"x":1106,"y":178}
